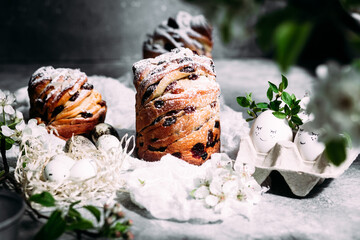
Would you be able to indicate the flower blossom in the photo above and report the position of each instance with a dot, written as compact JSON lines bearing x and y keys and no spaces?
{"x":14,"y":134}
{"x":6,"y":101}
{"x":335,"y":102}
{"x":226,"y":190}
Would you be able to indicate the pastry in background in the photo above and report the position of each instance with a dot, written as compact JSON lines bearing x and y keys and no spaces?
{"x":177,"y":107}
{"x":185,"y":31}
{"x":63,"y":99}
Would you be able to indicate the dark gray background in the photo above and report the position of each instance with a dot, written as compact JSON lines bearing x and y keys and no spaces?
{"x":83,"y":32}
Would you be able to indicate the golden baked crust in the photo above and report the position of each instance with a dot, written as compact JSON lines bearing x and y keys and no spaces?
{"x":184,"y":30}
{"x":63,"y":99}
{"x":177,"y":108}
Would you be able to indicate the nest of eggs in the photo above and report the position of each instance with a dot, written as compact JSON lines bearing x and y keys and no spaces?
{"x":78,"y":170}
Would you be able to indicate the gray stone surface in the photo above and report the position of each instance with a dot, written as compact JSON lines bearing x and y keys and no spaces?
{"x":330,"y":211}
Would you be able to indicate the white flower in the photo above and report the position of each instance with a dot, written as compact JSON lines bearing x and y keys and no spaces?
{"x":34,"y":130}
{"x":216,"y":186}
{"x":202,"y":192}
{"x":6,"y":100}
{"x":230,"y":189}
{"x":227,"y":191}
{"x":211,"y":200}
{"x":335,"y":104}
{"x":14,"y":134}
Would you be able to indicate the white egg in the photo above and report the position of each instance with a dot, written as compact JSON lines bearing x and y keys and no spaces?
{"x":107,"y":142}
{"x":83,"y":169}
{"x":267,"y":130}
{"x":306,"y":140}
{"x":58,"y":168}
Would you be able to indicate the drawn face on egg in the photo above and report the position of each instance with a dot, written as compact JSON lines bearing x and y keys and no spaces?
{"x":306,"y":140}
{"x":267,"y":130}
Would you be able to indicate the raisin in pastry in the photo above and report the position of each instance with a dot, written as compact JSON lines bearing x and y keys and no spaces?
{"x":183,"y":31}
{"x":63,"y":99}
{"x":177,"y":107}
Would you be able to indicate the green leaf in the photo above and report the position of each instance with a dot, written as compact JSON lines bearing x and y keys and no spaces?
{"x":262,"y":105}
{"x":290,"y":39}
{"x":81,"y":224}
{"x":270,"y":94}
{"x":279,"y":115}
{"x":249,"y":119}
{"x":287,"y":110}
{"x":336,"y":151}
{"x":253,"y":104}
{"x":295,"y":110}
{"x":73,"y":204}
{"x":242,"y":101}
{"x":281,"y":87}
{"x":291,"y":125}
{"x":94,"y":211}
{"x":120,"y":227}
{"x":296,"y":120}
{"x":8,"y":143}
{"x":73,"y":215}
{"x":273,"y":87}
{"x":284,"y":81}
{"x":286,"y":98}
{"x":53,"y":228}
{"x":192,"y":193}
{"x":2,"y":173}
{"x":248,"y":97}
{"x":275,"y":105}
{"x":44,"y":198}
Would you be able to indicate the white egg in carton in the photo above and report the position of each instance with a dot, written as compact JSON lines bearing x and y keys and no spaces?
{"x":302,"y":163}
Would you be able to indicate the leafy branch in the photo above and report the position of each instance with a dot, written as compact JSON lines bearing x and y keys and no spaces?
{"x":70,"y":220}
{"x":284,"y":105}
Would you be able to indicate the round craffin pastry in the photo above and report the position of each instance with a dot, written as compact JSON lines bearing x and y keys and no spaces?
{"x":63,"y":99}
{"x":183,"y":31}
{"x":177,"y":107}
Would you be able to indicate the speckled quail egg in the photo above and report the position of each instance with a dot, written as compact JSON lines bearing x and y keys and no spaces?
{"x":79,"y":143}
{"x":267,"y":130}
{"x":107,"y":142}
{"x":58,"y":168}
{"x":103,"y":129}
{"x":83,"y":169}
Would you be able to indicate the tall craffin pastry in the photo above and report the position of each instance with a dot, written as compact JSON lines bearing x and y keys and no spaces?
{"x":177,"y":107}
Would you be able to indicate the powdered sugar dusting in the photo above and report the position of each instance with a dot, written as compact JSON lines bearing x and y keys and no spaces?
{"x":61,"y":79}
{"x":177,"y":57}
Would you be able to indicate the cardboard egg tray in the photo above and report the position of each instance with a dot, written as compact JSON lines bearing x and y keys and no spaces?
{"x":300,"y":175}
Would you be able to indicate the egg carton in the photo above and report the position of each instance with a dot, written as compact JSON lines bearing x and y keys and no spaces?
{"x":299,"y":174}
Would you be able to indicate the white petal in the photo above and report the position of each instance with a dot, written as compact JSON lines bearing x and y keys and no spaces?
{"x":211,"y":200}
{"x":27,"y":131}
{"x":6,"y":131}
{"x":201,"y":192}
{"x":2,"y":95}
{"x":10,"y":98}
{"x":9,"y":109}
{"x":32,"y":123}
{"x":20,"y":126}
{"x":19,"y":115}
{"x":230,"y":188}
{"x":215,"y":187}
